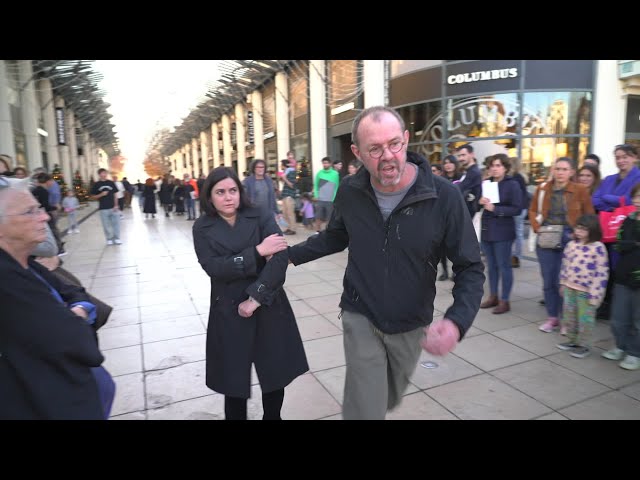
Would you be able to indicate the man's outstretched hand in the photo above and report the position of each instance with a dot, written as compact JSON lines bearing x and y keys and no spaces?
{"x":440,"y":337}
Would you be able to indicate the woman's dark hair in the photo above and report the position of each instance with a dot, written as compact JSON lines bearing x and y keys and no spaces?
{"x":566,"y":159}
{"x":503,"y":159}
{"x":454,"y":161}
{"x":626,"y":148}
{"x":255,"y":163}
{"x":218,"y":174}
{"x":592,"y":224}
{"x":596,"y":175}
{"x":437,"y":166}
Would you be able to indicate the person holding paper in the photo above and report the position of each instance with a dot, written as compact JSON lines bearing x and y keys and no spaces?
{"x":502,"y":201}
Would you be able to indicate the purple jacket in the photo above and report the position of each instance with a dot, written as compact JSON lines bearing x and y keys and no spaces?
{"x":607,"y":196}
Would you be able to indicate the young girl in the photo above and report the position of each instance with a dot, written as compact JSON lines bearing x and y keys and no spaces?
{"x":70,"y":204}
{"x":308,"y":214}
{"x":583,"y":283}
{"x":625,"y":309}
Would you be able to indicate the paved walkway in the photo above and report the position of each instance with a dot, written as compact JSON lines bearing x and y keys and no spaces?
{"x":154,"y":343}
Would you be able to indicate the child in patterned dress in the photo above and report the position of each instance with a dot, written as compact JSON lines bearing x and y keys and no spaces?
{"x":583,"y":282}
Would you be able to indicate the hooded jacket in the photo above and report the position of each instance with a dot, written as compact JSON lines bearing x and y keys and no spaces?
{"x":392,"y":265}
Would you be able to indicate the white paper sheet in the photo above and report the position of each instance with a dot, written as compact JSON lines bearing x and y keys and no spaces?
{"x":490,"y":190}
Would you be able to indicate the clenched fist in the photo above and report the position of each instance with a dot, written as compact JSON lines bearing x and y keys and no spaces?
{"x":440,"y":337}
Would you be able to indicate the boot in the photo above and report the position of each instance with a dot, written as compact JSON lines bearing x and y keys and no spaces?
{"x":503,"y":307}
{"x":492,"y":301}
{"x":515,"y":262}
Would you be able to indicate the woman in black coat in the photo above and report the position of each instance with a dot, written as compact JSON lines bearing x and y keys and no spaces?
{"x":178,"y":196}
{"x":250,"y":318}
{"x":148,"y":193}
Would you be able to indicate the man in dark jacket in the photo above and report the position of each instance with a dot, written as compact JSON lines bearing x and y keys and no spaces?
{"x":396,"y":217}
{"x":471,"y":181}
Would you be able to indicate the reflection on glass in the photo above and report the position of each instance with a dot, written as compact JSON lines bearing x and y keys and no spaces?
{"x":424,"y":121}
{"x":484,"y":116}
{"x":556,"y":113}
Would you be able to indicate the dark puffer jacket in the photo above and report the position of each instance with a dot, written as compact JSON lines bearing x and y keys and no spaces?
{"x":391,"y":271}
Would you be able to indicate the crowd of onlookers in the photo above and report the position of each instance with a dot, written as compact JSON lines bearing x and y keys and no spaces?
{"x":585,"y":276}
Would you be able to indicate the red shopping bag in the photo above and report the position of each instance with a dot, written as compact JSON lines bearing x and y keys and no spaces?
{"x":611,"y":221}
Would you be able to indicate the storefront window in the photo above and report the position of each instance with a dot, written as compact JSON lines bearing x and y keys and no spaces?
{"x":484,"y":116}
{"x":423,"y":120}
{"x":556,"y":113}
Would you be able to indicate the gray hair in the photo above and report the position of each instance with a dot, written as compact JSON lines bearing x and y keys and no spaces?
{"x":8,"y":184}
{"x":376,"y":112}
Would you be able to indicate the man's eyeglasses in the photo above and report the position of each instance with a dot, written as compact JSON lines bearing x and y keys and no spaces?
{"x":394,"y":147}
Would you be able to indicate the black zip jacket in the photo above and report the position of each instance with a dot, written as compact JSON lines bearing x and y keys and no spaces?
{"x":391,"y":272}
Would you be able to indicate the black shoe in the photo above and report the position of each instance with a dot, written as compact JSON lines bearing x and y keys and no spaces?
{"x":515,"y":262}
{"x":541,"y":302}
{"x":443,"y":277}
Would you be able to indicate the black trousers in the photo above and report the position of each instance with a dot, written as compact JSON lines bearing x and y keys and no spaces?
{"x":236,"y":408}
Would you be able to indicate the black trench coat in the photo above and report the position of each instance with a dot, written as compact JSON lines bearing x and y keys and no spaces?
{"x":269,"y":338}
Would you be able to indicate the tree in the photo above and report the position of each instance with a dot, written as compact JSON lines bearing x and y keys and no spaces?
{"x":80,"y":191}
{"x":155,"y":164}
{"x":58,"y":177}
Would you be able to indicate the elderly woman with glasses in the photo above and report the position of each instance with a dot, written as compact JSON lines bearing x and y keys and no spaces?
{"x":49,"y":356}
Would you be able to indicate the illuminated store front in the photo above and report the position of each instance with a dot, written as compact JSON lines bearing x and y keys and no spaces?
{"x":537,"y":110}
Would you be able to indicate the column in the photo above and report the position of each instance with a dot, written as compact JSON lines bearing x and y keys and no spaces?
{"x":215,"y":144}
{"x":86,"y":164}
{"x":72,"y":142}
{"x":258,"y":125}
{"x":49,"y":117}
{"x":373,"y":83}
{"x":7,"y":145}
{"x":609,"y":111}
{"x":194,"y":156}
{"x":204,"y":147}
{"x":318,"y":112}
{"x":29,"y":109}
{"x":226,"y":140}
{"x":63,"y":150}
{"x":282,"y":115}
{"x":241,"y":139}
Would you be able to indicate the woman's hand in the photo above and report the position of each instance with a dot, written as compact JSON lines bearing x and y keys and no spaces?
{"x":272,"y":244}
{"x":246,"y":308}
{"x":484,"y":201}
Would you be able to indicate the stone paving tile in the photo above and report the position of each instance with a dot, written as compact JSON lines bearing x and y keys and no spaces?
{"x":597,"y":368}
{"x":122,"y":361}
{"x":118,"y":337}
{"x":174,"y":352}
{"x":552,"y":416}
{"x":488,"y":352}
{"x":210,"y":407}
{"x":419,"y":406}
{"x":171,"y":328}
{"x":610,"y":406}
{"x":129,"y":394}
{"x":325,"y":353}
{"x":632,"y":390}
{"x":176,"y":384}
{"x":488,"y":322}
{"x":450,"y":369}
{"x":316,"y":326}
{"x":325,"y":304}
{"x":125,"y":316}
{"x":529,"y":338}
{"x":549,"y":383}
{"x":311,"y":290}
{"x":486,"y":398}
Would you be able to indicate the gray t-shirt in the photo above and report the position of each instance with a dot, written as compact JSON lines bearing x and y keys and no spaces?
{"x":388,"y":201}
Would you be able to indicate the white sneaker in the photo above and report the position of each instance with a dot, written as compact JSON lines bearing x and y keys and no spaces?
{"x":109,"y":242}
{"x":613,"y":354}
{"x":630,"y":363}
{"x":117,"y":241}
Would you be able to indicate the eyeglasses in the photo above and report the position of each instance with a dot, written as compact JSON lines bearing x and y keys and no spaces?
{"x":394,"y":147}
{"x":32,"y":212}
